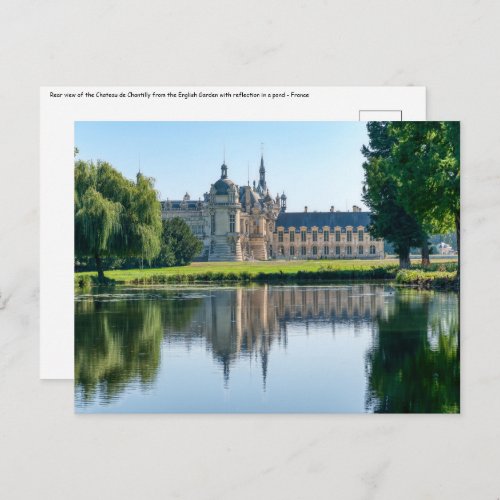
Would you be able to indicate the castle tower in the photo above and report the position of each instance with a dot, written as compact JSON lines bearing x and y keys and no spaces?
{"x":224,"y":210}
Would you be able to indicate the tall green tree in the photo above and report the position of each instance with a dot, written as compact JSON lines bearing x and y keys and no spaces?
{"x":425,"y":159}
{"x":115,"y":216}
{"x":179,"y":245}
{"x":390,"y":219}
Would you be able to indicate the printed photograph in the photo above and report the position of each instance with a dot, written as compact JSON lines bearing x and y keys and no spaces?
{"x":267,"y":267}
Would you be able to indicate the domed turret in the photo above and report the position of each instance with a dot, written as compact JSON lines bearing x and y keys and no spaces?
{"x":249,"y":198}
{"x":283,"y":202}
{"x":223,"y":184}
{"x":267,"y":198}
{"x":224,"y":220}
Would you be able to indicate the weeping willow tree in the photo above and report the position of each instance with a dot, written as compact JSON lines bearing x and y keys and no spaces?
{"x":115,"y":216}
{"x":144,"y":221}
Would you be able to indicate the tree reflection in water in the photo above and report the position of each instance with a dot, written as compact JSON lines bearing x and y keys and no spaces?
{"x":118,"y":340}
{"x":413,"y":366}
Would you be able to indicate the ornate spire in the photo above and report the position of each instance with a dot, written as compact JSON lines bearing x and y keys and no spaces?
{"x":223,"y":170}
{"x":262,"y":174}
{"x":283,"y":202}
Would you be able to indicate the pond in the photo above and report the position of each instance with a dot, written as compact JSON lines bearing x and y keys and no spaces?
{"x":350,"y":348}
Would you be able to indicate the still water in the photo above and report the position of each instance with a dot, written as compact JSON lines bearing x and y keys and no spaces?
{"x":338,"y":348}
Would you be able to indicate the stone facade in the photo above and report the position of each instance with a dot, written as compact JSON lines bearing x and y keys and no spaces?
{"x":247,"y":223}
{"x":326,"y":235}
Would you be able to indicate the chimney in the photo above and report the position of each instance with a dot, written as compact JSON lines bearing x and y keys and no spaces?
{"x":305,"y":209}
{"x":332,"y":209}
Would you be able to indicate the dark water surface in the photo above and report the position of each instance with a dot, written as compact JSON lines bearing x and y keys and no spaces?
{"x":335,"y":348}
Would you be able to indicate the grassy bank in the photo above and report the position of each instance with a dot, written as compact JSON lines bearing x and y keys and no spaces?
{"x":440,"y":280}
{"x":274,"y":272}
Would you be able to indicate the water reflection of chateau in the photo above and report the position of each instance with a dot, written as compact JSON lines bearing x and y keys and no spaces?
{"x":412,"y":364}
{"x":248,"y":321}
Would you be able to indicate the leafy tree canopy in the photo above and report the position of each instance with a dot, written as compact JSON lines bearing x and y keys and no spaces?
{"x":390,"y":219}
{"x":115,"y":216}
{"x":425,"y":161}
{"x":179,"y":245}
{"x":412,"y":180}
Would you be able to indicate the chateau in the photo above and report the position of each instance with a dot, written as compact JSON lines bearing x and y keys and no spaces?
{"x":247,"y":223}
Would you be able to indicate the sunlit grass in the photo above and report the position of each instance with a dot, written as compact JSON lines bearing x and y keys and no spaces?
{"x":220,"y":271}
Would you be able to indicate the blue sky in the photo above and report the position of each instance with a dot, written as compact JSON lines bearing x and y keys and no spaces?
{"x":317,"y":164}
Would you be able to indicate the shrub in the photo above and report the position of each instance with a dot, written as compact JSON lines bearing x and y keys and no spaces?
{"x":83,"y":281}
{"x":427,"y":279}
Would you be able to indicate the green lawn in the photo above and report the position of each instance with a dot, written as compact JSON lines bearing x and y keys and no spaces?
{"x":252,"y":268}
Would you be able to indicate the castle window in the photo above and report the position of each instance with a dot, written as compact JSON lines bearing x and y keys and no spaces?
{"x":326,"y":236}
{"x":372,"y":249}
{"x":292,"y":236}
{"x":360,"y":235}
{"x":232,"y":223}
{"x":315,"y":235}
{"x":282,"y":250}
{"x":360,"y":250}
{"x":246,"y":227}
{"x":315,"y":250}
{"x":280,"y":236}
{"x":326,"y":250}
{"x":349,"y":235}
{"x":303,"y":250}
{"x":292,"y":250}
{"x":349,"y":250}
{"x":212,"y":224}
{"x":337,"y":235}
{"x":337,"y":250}
{"x":303,"y":236}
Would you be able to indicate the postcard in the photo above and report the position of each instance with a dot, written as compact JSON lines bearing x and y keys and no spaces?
{"x":314,"y":272}
{"x":62,"y":108}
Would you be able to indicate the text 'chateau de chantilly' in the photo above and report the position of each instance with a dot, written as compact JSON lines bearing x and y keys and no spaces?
{"x":247,"y":223}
